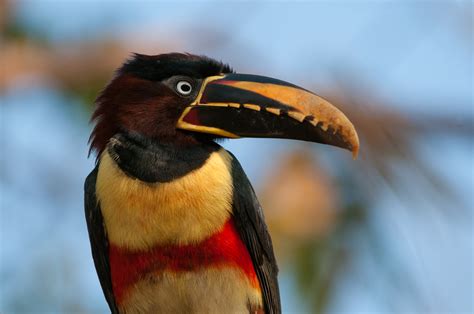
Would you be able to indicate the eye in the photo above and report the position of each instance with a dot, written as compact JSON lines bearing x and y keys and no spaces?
{"x":184,"y":88}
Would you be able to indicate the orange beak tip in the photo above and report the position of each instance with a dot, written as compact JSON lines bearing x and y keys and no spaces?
{"x":355,"y":152}
{"x":355,"y":146}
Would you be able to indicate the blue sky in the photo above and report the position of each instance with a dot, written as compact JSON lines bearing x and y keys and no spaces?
{"x":414,"y":51}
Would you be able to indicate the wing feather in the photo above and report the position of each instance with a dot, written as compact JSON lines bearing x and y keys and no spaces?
{"x":98,"y":239}
{"x":250,"y":223}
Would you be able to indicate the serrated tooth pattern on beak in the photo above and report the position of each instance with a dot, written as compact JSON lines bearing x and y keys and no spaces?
{"x":251,"y":93}
{"x":313,"y":121}
{"x":252,"y":107}
{"x":273,"y":110}
{"x":215,"y":104}
{"x":296,"y":115}
{"x":234,"y":105}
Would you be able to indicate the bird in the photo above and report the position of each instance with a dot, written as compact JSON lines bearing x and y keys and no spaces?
{"x":173,"y":221}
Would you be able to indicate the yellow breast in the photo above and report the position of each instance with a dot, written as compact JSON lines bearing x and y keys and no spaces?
{"x":210,"y":291}
{"x":140,"y":215}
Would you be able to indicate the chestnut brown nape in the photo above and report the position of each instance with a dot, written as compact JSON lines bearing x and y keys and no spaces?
{"x":136,"y":101}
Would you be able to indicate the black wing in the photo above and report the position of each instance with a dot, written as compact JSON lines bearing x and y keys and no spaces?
{"x":251,"y":225}
{"x":98,"y":238}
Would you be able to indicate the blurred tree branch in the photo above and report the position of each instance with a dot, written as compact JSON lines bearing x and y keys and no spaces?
{"x":321,"y":249}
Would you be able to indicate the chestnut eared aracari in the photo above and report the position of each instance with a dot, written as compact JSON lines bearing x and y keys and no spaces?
{"x":173,"y":221}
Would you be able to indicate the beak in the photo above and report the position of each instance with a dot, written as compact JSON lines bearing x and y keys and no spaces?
{"x":243,"y":105}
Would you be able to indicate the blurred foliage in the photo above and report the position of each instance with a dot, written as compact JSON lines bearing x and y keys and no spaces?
{"x":388,"y":158}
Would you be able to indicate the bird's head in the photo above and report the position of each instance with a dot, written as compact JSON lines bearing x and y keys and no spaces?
{"x":187,"y":100}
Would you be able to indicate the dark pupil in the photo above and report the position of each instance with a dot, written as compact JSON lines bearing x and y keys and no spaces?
{"x":185,"y":87}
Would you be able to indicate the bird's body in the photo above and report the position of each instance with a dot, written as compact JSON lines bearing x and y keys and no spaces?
{"x":174,"y":223}
{"x":159,"y":253}
{"x":205,"y":277}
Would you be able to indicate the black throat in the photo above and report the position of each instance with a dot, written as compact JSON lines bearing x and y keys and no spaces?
{"x":152,"y":161}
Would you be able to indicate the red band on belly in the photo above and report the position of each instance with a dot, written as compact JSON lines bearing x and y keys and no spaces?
{"x":224,"y":248}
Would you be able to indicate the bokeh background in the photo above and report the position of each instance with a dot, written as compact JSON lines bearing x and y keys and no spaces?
{"x":391,"y":232}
